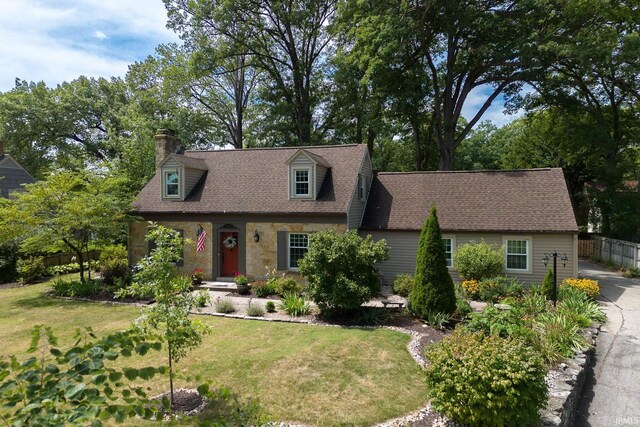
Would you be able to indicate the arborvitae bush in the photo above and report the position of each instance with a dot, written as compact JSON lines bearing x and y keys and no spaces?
{"x":547,"y":285}
{"x":433,"y":289}
{"x":486,"y":380}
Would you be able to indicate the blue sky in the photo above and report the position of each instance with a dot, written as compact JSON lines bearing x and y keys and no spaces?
{"x":59,"y":40}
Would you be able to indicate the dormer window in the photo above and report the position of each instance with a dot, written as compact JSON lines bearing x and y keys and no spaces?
{"x":171,"y":184}
{"x":302,"y":183}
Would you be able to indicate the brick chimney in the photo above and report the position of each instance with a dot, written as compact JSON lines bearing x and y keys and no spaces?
{"x":166,"y":143}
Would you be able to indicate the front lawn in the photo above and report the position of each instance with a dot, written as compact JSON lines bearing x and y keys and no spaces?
{"x":311,"y":374}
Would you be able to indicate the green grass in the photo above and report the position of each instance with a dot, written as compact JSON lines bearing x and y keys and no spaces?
{"x":310,"y":374}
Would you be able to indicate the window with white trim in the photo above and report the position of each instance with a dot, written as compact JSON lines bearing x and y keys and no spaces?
{"x":298,"y":245}
{"x":517,"y":253}
{"x":171,"y":183}
{"x":448,"y":251}
{"x":301,"y":182}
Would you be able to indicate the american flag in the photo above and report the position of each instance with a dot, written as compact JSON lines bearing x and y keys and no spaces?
{"x":202,"y":238}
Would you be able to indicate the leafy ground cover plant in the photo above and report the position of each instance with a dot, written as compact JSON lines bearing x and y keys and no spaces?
{"x":496,"y":288}
{"x":437,"y":320}
{"x":75,"y":288}
{"x":479,"y":379}
{"x":264,"y":288}
{"x":202,"y":299}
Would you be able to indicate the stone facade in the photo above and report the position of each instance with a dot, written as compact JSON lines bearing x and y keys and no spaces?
{"x":258,"y":254}
{"x":139,"y":247}
{"x":265,"y":252}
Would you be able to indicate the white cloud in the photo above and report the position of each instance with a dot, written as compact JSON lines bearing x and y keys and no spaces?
{"x":58,"y":41}
{"x":495,"y":112}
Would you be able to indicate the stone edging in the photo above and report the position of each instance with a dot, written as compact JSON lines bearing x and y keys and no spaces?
{"x":565,"y":385}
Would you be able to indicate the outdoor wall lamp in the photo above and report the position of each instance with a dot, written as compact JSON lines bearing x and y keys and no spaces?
{"x":545,"y":260}
{"x":256,"y":236}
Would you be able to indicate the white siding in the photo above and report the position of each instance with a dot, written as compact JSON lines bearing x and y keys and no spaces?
{"x":357,"y":206}
{"x":403,"y":247}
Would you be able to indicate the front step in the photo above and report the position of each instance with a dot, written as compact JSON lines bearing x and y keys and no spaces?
{"x":219,"y":286}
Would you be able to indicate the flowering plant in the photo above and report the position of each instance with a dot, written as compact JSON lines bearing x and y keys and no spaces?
{"x":198,"y":274}
{"x":241,"y":279}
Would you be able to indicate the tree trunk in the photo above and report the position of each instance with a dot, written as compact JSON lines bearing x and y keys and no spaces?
{"x":447,"y":149}
{"x":170,"y":377}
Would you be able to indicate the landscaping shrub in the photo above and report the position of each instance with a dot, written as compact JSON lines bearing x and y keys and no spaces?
{"x":631,"y":272}
{"x":503,"y":323}
{"x":114,"y":264}
{"x":496,"y":288}
{"x":373,"y":316}
{"x":225,"y":306}
{"x":264,"y":289}
{"x":560,"y":336}
{"x":75,"y":288}
{"x":432,"y":288}
{"x":341,"y":269}
{"x":478,"y":260}
{"x":463,"y":308}
{"x":295,"y":305}
{"x":486,"y":380}
{"x":547,"y":285}
{"x":202,"y":299}
{"x":588,"y":286}
{"x":255,"y":310}
{"x":578,"y":306}
{"x":287,"y":285}
{"x":270,"y":306}
{"x":30,"y":269}
{"x":471,"y":288}
{"x":403,"y":284}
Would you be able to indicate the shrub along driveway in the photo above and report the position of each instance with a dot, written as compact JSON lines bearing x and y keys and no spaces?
{"x":612,"y":394}
{"x":311,"y":374}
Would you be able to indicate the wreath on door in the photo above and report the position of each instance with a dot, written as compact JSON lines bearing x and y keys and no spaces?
{"x":229,"y":242}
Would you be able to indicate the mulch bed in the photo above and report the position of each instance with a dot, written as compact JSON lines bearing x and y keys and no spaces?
{"x":187,"y":402}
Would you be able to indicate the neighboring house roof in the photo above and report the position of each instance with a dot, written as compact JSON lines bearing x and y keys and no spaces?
{"x":12,"y":176}
{"x":534,"y":200}
{"x":256,"y":181}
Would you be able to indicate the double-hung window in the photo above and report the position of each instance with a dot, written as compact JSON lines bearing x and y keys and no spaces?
{"x":517,"y":254}
{"x":301,"y":183}
{"x":171,"y":183}
{"x":298,"y":244}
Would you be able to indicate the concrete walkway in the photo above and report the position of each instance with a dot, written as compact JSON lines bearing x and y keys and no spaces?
{"x":612,"y":393}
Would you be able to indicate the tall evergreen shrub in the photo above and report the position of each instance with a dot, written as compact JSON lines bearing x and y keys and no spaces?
{"x":547,"y":285}
{"x":433,"y":289}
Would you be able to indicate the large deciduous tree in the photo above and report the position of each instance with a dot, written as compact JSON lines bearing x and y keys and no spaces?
{"x":471,"y":48}
{"x":287,"y":40}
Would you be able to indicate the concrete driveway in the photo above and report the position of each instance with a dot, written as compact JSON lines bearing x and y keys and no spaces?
{"x":612,"y":393}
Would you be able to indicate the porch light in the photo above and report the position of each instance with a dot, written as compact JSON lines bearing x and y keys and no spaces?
{"x":545,"y":260}
{"x":256,"y":236}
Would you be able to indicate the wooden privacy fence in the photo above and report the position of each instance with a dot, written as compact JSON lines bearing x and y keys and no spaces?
{"x":619,"y":252}
{"x":62,"y":259}
{"x":585,"y":247}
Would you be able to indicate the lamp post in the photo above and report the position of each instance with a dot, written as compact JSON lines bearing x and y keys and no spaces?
{"x":545,"y":260}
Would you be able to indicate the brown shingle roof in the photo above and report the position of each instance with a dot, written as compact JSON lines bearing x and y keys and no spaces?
{"x":255,"y":181}
{"x":535,"y":200}
{"x":187,"y":162}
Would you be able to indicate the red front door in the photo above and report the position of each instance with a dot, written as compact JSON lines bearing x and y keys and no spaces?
{"x":228,"y":253}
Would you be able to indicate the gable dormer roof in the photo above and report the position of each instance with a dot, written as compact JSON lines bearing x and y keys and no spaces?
{"x":315,"y":158}
{"x":186,"y":162}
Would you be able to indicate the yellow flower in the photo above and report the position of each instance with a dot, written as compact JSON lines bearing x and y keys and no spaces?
{"x":588,"y":286}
